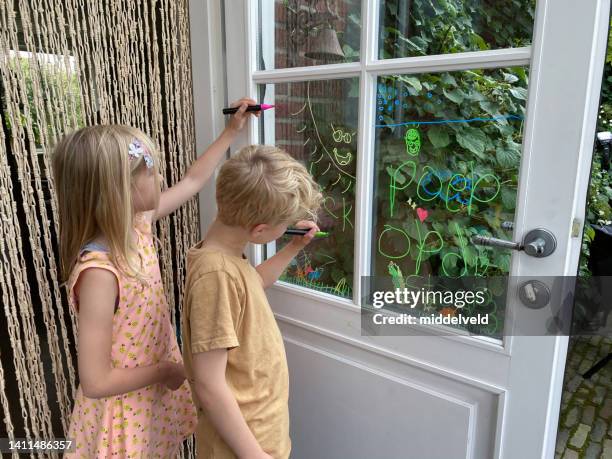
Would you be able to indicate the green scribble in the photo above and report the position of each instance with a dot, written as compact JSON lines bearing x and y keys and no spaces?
{"x":327,"y":208}
{"x":420,"y":185}
{"x":340,"y":136}
{"x":341,"y":286}
{"x":403,"y":233}
{"x":473,"y":196}
{"x":343,"y":290}
{"x":345,"y":214}
{"x":422,"y":246}
{"x":463,"y":256}
{"x":396,"y":275}
{"x":395,"y":179}
{"x":342,"y":160}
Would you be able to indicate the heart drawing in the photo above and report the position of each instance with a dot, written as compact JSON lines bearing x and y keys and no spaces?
{"x":422,"y":214}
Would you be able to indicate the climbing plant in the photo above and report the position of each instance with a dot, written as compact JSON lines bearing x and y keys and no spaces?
{"x":599,"y":211}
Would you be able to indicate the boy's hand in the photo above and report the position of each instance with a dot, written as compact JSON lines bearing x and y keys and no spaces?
{"x":299,"y":242}
{"x":175,"y":374}
{"x":238,"y":119}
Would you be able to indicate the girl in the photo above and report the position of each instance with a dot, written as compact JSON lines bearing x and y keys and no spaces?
{"x":132,"y":400}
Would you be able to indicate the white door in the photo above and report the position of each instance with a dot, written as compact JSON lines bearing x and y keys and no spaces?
{"x":423,"y":133}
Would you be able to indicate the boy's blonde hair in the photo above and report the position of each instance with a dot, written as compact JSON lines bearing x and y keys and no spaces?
{"x":93,"y":176}
{"x":263,"y":184}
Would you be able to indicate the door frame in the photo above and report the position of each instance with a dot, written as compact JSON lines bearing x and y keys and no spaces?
{"x":209,"y":90}
{"x":328,"y":317}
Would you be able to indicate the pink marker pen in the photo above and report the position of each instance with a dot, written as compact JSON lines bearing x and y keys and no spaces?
{"x":250,"y":108}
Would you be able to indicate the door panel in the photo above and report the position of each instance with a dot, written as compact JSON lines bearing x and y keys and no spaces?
{"x":460,"y":396}
{"x":362,"y":394}
{"x":391,"y":405}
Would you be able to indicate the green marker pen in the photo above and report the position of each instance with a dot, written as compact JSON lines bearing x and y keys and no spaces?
{"x":302,"y":232}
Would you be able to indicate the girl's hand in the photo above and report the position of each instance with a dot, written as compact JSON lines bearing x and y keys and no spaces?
{"x":174,"y":374}
{"x":300,"y":242}
{"x":260,"y":455}
{"x":238,"y":119}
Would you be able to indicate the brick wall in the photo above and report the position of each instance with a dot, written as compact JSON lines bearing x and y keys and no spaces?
{"x":290,"y":54}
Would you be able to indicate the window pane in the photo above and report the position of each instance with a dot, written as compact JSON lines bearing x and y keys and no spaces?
{"x":300,"y":33}
{"x":316,"y":122}
{"x":426,"y":27}
{"x":448,"y":148}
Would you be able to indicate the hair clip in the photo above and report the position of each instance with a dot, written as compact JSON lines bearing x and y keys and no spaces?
{"x":137,"y":150}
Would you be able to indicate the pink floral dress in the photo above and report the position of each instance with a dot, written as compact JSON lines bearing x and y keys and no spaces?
{"x":151,"y":422}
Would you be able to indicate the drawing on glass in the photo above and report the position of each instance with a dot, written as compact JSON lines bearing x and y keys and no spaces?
{"x":316,"y":129}
{"x":447,"y":158}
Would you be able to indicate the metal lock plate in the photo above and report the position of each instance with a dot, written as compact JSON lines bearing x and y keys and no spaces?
{"x":534,"y":294}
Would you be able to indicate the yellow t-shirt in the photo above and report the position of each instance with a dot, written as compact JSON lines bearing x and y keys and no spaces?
{"x":225,"y":306}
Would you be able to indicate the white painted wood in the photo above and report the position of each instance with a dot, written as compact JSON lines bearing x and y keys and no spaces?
{"x":267,"y":50}
{"x":381,"y":368}
{"x":465,"y":358}
{"x":241,"y":52}
{"x":451,"y":62}
{"x":501,"y":397}
{"x":269,"y":135}
{"x":206,"y":32}
{"x":327,"y":389}
{"x":364,"y":189}
{"x":268,"y":42}
{"x":241,"y":59}
{"x":562,"y":109}
{"x":422,"y":64}
{"x":315,"y":72}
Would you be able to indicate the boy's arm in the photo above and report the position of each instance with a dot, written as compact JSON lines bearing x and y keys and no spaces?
{"x":202,"y":168}
{"x":271,"y":269}
{"x":221,"y":406}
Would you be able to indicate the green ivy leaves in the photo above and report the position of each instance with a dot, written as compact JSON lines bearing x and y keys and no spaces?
{"x":438,"y":136}
{"x":473,"y":139}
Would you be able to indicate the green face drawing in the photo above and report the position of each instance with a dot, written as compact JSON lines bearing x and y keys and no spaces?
{"x":413,"y":141}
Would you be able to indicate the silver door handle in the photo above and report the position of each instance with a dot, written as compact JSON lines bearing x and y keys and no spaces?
{"x":495,"y":242}
{"x":536,"y":247}
{"x":537,"y":243}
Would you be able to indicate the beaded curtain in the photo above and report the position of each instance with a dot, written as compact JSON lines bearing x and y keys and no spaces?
{"x":66,"y":64}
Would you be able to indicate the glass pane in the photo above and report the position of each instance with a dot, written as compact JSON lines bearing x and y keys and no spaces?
{"x":300,"y":33}
{"x":448,"y":148}
{"x":316,"y":122}
{"x":426,"y":27}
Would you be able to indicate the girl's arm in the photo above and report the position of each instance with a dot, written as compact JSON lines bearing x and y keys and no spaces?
{"x":97,"y":291}
{"x":271,"y":269}
{"x":220,"y":404}
{"x":202,"y":168}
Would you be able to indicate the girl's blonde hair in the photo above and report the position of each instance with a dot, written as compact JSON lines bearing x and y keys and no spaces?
{"x":263,"y":184}
{"x":93,"y":177}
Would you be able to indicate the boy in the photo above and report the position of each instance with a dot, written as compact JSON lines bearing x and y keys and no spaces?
{"x":233,"y":350}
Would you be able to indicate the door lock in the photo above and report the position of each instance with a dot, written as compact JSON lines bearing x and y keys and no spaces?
{"x":537,"y":243}
{"x":534,"y":294}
